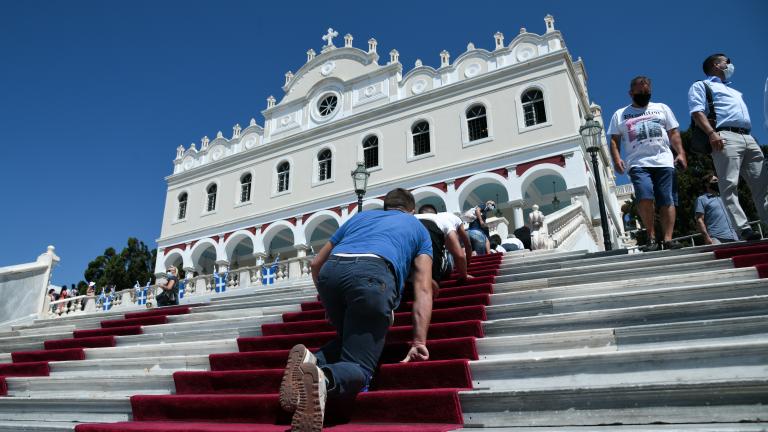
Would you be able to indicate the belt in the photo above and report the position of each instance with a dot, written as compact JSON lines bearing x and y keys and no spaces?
{"x":733,"y":129}
{"x":363,"y":257}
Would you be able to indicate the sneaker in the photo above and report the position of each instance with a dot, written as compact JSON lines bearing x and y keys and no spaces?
{"x":651,"y":246}
{"x":311,"y":407}
{"x":749,"y":235}
{"x":291,"y":386}
{"x":674,"y":244}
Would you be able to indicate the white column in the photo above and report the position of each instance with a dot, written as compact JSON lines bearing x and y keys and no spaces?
{"x":452,"y":203}
{"x":294,"y":268}
{"x":517,"y":213}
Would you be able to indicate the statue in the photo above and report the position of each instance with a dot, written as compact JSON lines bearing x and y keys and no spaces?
{"x":539,"y":239}
{"x":536,"y":218}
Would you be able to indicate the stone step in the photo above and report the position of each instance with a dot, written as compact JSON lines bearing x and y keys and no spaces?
{"x":91,"y":386}
{"x":721,"y":362}
{"x":66,"y":409}
{"x":691,"y":402}
{"x":550,"y":279}
{"x":107,"y":366}
{"x":36,"y":426}
{"x":520,"y":304}
{"x":608,"y":263}
{"x":199,"y":347}
{"x":637,"y":315}
{"x":732,"y":274}
{"x":610,"y":339}
{"x":697,"y":427}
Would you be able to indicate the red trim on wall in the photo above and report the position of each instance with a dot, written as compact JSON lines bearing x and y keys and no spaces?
{"x":192,"y":244}
{"x":457,"y":182}
{"x":264,"y":227}
{"x":352,"y":207}
{"x":182,"y":246}
{"x":292,"y":221}
{"x":227,"y":235}
{"x":215,"y":239}
{"x":305,"y":217}
{"x":555,"y":160}
{"x":252,"y":230}
{"x":502,"y":172}
{"x":337,"y":210}
{"x":442,"y":186}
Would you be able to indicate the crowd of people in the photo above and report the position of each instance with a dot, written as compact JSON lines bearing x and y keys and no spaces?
{"x":649,"y":134}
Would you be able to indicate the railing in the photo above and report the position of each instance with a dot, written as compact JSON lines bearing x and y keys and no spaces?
{"x":559,"y":226}
{"x":756,"y":225}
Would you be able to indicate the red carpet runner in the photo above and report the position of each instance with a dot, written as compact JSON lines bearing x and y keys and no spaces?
{"x":241,"y":388}
{"x":35,"y":363}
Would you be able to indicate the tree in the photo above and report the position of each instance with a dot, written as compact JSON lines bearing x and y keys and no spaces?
{"x":134,"y":263}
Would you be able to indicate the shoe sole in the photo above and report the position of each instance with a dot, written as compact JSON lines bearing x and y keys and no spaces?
{"x":308,"y":416}
{"x":291,"y":387}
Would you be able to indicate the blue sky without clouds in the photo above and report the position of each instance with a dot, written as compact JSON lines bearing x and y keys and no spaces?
{"x":95,"y":96}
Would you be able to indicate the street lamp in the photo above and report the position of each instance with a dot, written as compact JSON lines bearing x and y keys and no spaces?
{"x":555,"y":201}
{"x":590,"y":136}
{"x":360,"y":180}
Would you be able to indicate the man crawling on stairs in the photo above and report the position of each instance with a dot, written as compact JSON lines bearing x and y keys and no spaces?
{"x":360,"y":274}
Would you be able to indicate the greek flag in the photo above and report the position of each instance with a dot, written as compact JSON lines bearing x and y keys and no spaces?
{"x":270,"y":273}
{"x":106,"y":300}
{"x":141,"y":293}
{"x":182,"y":288}
{"x":219,"y":281}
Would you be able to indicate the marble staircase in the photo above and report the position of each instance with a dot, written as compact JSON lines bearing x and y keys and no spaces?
{"x":662,"y":341}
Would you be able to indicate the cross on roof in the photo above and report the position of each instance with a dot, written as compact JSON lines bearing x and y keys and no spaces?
{"x":328,"y":38}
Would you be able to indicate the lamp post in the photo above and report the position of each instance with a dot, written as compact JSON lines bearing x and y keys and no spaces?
{"x":590,"y":136}
{"x":555,"y":201}
{"x":360,"y":180}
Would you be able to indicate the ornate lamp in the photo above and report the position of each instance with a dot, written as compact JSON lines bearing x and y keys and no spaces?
{"x":590,"y":137}
{"x":555,"y":201}
{"x":360,"y":180}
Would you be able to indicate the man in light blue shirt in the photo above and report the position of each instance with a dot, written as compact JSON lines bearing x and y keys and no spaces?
{"x":734,"y":151}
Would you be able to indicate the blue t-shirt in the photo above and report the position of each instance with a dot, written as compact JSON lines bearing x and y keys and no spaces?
{"x":396,"y":236}
{"x":715,"y":218}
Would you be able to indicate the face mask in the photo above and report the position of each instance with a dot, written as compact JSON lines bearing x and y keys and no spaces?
{"x":728,"y":71}
{"x":641,"y":99}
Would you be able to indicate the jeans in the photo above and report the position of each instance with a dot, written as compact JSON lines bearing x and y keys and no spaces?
{"x":359,"y":295}
{"x":477,"y":238}
{"x":741,"y":156}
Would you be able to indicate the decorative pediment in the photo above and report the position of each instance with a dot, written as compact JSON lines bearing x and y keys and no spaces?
{"x":344,"y":64}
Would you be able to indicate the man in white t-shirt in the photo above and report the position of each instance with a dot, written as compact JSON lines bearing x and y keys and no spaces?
{"x":454,"y":235}
{"x":648,"y":130}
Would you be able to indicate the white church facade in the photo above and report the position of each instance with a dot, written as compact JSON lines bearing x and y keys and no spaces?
{"x":499,"y":124}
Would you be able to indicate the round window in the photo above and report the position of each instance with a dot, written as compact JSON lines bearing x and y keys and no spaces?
{"x":327,"y":105}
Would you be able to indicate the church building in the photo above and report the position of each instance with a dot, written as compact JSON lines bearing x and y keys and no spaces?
{"x":500,"y":123}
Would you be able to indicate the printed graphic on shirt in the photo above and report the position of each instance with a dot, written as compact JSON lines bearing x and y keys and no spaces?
{"x":644,"y":127}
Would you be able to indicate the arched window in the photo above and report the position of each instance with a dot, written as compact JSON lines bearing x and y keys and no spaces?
{"x":420,"y":132}
{"x":477,"y":123}
{"x":324,"y":165}
{"x":533,"y":107}
{"x":182,"y":206}
{"x":371,"y":151}
{"x":283,"y":172}
{"x":245,"y":188}
{"x":211,"y":203}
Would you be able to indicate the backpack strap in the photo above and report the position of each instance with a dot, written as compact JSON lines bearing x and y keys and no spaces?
{"x":712,"y":115}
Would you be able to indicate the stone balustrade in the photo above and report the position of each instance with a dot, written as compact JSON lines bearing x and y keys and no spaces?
{"x":560,"y":225}
{"x":290,"y":270}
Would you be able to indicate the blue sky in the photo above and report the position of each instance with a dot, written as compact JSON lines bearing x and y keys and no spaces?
{"x":95,"y":96}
